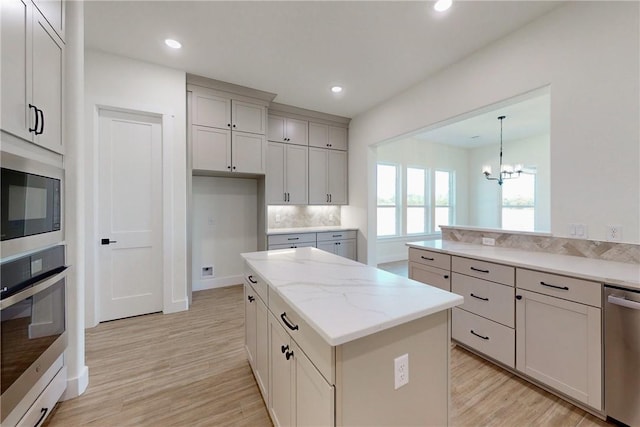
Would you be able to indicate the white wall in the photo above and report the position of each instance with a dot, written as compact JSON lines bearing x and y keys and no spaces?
{"x":120,"y":82}
{"x":484,"y":196}
{"x":588,"y":52}
{"x":225,"y":224}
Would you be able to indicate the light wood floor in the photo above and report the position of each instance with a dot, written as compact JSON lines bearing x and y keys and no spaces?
{"x":190,"y":369}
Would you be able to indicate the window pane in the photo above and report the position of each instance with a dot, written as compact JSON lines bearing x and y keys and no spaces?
{"x":415,"y":220}
{"x":519,"y":191}
{"x":386,"y":185}
{"x":442,"y":217}
{"x":386,"y":221}
{"x":415,"y":187}
{"x":442,"y":188}
{"x":521,"y":219}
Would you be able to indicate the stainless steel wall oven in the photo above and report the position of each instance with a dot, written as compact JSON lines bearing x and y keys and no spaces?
{"x":33,"y":329}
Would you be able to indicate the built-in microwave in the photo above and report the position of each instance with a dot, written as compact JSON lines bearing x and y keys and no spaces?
{"x":30,"y":204}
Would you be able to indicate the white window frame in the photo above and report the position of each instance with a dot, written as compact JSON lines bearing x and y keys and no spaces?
{"x":398,"y":205}
{"x":427,"y":200}
{"x":452,"y":198}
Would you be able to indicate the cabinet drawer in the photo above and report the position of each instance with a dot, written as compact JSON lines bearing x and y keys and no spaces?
{"x":430,"y":275}
{"x":256,"y":282}
{"x":487,"y":299}
{"x":488,"y":337}
{"x":316,"y":348}
{"x":293,"y":245}
{"x":569,"y":288}
{"x":44,"y":404}
{"x":280,"y":239}
{"x":484,"y":270}
{"x":336,"y":235}
{"x":434,"y":259}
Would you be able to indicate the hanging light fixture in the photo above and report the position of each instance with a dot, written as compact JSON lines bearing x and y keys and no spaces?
{"x":506,"y":171}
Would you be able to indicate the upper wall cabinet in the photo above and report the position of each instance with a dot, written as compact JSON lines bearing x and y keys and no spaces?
{"x":32,"y":75}
{"x":53,"y":12}
{"x":327,"y":136}
{"x":227,"y":132}
{"x":287,"y":129}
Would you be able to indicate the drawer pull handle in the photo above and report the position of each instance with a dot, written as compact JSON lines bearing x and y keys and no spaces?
{"x":293,"y":238}
{"x":480,"y":336}
{"x":476,"y":296}
{"x":291,"y":326}
{"x":43,"y":413}
{"x":479,"y":270}
{"x":284,"y":348}
{"x":289,"y":354}
{"x":251,"y":298}
{"x":426,"y":257}
{"x":564,"y":288}
{"x":337,"y":235}
{"x":251,"y":280}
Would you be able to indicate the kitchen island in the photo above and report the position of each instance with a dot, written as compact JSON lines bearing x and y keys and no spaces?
{"x":335,"y":342}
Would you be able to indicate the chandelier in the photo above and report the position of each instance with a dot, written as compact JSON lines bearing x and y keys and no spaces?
{"x":506,"y":171}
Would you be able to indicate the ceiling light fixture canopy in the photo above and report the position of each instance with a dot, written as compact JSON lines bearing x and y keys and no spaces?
{"x":173,"y":43}
{"x":442,"y":5}
{"x":336,"y":89}
{"x":506,"y":171}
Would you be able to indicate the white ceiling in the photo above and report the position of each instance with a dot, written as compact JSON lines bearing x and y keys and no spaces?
{"x":298,"y":49}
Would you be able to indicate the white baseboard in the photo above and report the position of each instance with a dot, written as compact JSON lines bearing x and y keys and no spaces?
{"x":176,"y":306}
{"x":392,"y":258}
{"x":218,"y":282}
{"x":76,"y":386}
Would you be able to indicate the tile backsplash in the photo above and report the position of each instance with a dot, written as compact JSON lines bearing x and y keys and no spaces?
{"x":611,"y":251}
{"x":302,"y":216}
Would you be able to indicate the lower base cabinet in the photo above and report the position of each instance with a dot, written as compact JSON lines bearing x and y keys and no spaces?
{"x":299,"y":394}
{"x":256,"y":337}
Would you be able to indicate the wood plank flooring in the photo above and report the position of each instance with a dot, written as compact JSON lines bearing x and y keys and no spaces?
{"x":190,"y":369}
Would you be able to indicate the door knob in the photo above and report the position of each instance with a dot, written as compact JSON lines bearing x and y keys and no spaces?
{"x":107,"y":241}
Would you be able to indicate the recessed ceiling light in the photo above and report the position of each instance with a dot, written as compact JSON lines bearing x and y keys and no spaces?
{"x":173,"y":43}
{"x":442,"y":5}
{"x":336,"y":89}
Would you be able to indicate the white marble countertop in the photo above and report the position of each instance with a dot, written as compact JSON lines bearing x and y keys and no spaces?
{"x":610,"y":272}
{"x":319,"y":229}
{"x":343,"y":300}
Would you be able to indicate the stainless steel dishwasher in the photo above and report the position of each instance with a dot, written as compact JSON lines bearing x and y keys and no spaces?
{"x":622,"y":354}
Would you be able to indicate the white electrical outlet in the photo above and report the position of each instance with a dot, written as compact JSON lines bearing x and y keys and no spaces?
{"x":488,"y":241}
{"x":401,"y":370}
{"x":614,"y":233}
{"x":277,"y":217}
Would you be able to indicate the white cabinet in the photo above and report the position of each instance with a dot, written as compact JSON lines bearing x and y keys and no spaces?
{"x":327,"y":136}
{"x":286,"y":176}
{"x":327,"y":177}
{"x":53,"y":11}
{"x":32,"y":75}
{"x":287,"y":129}
{"x":256,"y":337}
{"x":227,"y":135}
{"x":341,"y":243}
{"x":559,"y":341}
{"x":299,"y":394}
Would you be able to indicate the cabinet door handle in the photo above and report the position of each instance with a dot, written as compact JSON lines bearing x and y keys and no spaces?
{"x":41,"y":122}
{"x":483,"y":299}
{"x":234,"y":125}
{"x":480,"y":336}
{"x":284,"y":348}
{"x":426,"y":257}
{"x":228,"y":167}
{"x":518,"y":297}
{"x":251,"y":280}
{"x":446,"y":276}
{"x":228,"y":124}
{"x":479,"y":270}
{"x":289,"y":354}
{"x":234,"y":168}
{"x":43,"y":414}
{"x":329,"y":197}
{"x":35,"y":126}
{"x":291,"y":326}
{"x":251,"y":298}
{"x":564,"y":288}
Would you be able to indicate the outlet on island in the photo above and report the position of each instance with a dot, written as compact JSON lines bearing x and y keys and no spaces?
{"x":401,"y":370}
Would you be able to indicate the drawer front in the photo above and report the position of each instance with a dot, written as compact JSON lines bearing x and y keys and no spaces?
{"x":293,"y":245}
{"x":336,"y":235}
{"x":319,"y":352}
{"x":487,"y":299}
{"x":44,"y":404}
{"x":488,"y":337}
{"x":484,"y":270}
{"x":281,"y":239}
{"x":569,"y":288}
{"x":256,"y":282}
{"x":433,"y":259}
{"x":430,"y":275}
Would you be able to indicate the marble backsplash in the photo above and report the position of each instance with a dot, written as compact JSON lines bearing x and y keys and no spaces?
{"x":611,"y":251}
{"x":302,"y":216}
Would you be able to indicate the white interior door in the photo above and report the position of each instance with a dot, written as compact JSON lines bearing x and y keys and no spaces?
{"x":130,"y":214}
